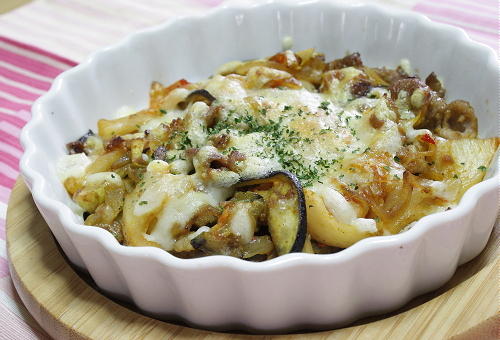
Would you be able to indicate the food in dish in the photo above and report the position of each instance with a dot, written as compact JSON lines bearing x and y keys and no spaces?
{"x":285,"y":154}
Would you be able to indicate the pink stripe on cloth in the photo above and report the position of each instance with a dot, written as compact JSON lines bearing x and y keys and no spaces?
{"x":21,"y":78}
{"x":97,"y":26}
{"x":13,"y":327}
{"x":24,"y":114}
{"x":22,"y":66}
{"x":10,"y":129}
{"x":463,"y":25}
{"x":14,"y":120}
{"x":479,"y":20}
{"x":4,"y":194}
{"x":473,"y":5}
{"x":87,"y":10}
{"x":13,"y":304}
{"x":18,"y":92}
{"x":490,"y":41}
{"x":6,"y":181}
{"x":29,"y":64}
{"x":11,"y":148}
{"x":488,"y":2}
{"x":10,"y":172}
{"x":7,"y":141}
{"x":10,"y":139}
{"x":8,"y":104}
{"x":9,"y":160}
{"x":39,"y":51}
{"x":459,"y":14}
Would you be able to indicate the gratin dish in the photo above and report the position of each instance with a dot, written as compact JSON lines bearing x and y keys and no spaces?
{"x":293,"y":291}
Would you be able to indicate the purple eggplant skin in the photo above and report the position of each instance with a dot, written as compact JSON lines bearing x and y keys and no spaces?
{"x":196,"y":96}
{"x":78,"y":146}
{"x":288,"y":229}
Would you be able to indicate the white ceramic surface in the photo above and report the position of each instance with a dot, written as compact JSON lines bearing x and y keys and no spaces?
{"x":375,"y":275}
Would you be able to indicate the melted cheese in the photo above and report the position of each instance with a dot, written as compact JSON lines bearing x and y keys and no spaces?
{"x":412,"y":133}
{"x":330,"y":127}
{"x":102,"y":177}
{"x":124,"y":111}
{"x":157,"y":188}
{"x":342,"y":210}
{"x":225,"y":87}
{"x":325,"y":138}
{"x":442,"y":189}
{"x":176,"y":214}
{"x":165,"y":119}
{"x":406,"y":66}
{"x":365,"y":224}
{"x":197,"y":129}
{"x":242,"y":224}
{"x":174,"y":97}
{"x":72,"y":166}
{"x":158,"y":166}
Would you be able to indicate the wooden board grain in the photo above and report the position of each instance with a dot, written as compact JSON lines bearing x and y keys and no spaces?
{"x":67,"y":306}
{"x":9,"y":5}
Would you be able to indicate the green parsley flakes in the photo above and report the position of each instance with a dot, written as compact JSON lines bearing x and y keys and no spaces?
{"x":324,"y":105}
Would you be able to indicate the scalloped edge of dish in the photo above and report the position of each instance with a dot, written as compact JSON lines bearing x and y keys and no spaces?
{"x":54,"y":209}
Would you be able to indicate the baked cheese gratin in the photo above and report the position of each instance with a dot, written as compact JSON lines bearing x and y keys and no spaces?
{"x":277,"y":155}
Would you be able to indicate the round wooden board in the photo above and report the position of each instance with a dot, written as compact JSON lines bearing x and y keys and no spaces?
{"x":68,"y":306}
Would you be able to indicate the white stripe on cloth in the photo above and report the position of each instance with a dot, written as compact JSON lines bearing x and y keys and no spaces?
{"x":7,"y":111}
{"x":3,"y":215}
{"x":463,"y":24}
{"x":8,"y":171}
{"x":10,"y":150}
{"x":25,"y":72}
{"x":487,"y":39}
{"x":486,"y":13}
{"x":3,"y":246}
{"x":22,"y":114}
{"x":486,"y":6}
{"x":53,"y":25}
{"x":96,"y":24}
{"x":9,"y":129}
{"x":15,"y":99}
{"x":33,"y":55}
{"x":35,"y":36}
{"x":11,"y":305}
{"x":15,"y":307}
{"x":72,"y":32}
{"x":21,"y":86}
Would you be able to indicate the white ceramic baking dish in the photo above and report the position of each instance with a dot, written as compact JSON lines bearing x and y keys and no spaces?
{"x":294,"y":291}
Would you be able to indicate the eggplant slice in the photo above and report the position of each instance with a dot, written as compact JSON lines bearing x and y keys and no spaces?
{"x":286,"y":215}
{"x":237,"y":239}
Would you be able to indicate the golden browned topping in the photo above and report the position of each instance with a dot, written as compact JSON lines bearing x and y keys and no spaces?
{"x":283,"y":154}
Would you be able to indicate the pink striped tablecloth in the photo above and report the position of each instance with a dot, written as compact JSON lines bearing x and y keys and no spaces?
{"x":44,"y":38}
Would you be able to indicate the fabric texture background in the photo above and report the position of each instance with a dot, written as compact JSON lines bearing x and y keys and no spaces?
{"x":46,"y":37}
